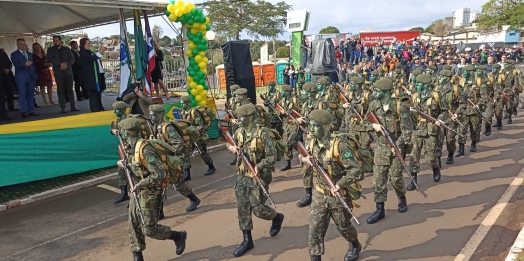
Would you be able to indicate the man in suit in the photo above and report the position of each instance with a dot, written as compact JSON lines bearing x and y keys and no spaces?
{"x":62,"y":59}
{"x":80,"y":90}
{"x":25,"y":77}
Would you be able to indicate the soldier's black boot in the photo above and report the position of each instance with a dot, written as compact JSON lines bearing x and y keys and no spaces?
{"x":402,"y":204}
{"x":306,"y":201}
{"x":287,"y":166}
{"x":276,"y":224}
{"x":161,"y":212}
{"x":211,"y":169}
{"x":187,"y":174}
{"x":123,"y":195}
{"x":411,"y":185}
{"x":515,"y":111}
{"x":499,"y":125}
{"x":449,"y":160}
{"x":473,"y":146}
{"x":195,"y":201}
{"x":246,"y":245}
{"x":378,"y":215}
{"x":439,"y":162}
{"x":180,"y":241}
{"x":460,"y":151}
{"x":510,"y":121}
{"x":137,"y":256}
{"x":488,"y":130}
{"x":352,"y":254}
{"x":234,"y":161}
{"x":316,"y":258}
{"x":436,"y":174}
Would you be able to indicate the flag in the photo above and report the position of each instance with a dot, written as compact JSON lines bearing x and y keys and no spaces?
{"x":150,"y":52}
{"x":125,"y":66}
{"x":139,"y":50}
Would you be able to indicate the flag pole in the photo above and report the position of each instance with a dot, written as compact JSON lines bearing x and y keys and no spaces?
{"x":123,"y":22}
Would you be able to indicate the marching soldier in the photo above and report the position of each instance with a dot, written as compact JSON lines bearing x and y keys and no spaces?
{"x":395,"y":117}
{"x":485,"y":92}
{"x":197,"y":117}
{"x":425,"y":133}
{"x":359,"y":99}
{"x":256,"y":143}
{"x":177,"y":134}
{"x":344,"y":170}
{"x":451,"y":96}
{"x":233,"y":125}
{"x":148,"y":185}
{"x":497,"y":80}
{"x":291,"y":134}
{"x":368,"y":85}
{"x":272,"y":97}
{"x":470,"y":117}
{"x":513,"y":81}
{"x":326,"y":91}
{"x":412,"y":86}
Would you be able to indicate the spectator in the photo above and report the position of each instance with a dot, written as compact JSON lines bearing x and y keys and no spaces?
{"x":93,"y":74}
{"x":416,"y":65}
{"x":45,"y":80}
{"x":144,"y":101}
{"x":292,"y":77}
{"x":369,"y":53}
{"x":7,"y":81}
{"x":489,"y":65}
{"x":78,"y":71}
{"x":156,"y":74}
{"x":62,"y":59}
{"x":25,"y":78}
{"x":286,"y":74}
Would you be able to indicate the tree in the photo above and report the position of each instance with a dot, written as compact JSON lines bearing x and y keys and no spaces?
{"x":497,"y":13}
{"x":329,"y":30}
{"x":283,"y":52}
{"x":157,"y":33}
{"x":438,"y":28}
{"x":258,"y":19}
{"x":418,"y":28}
{"x":164,"y":41}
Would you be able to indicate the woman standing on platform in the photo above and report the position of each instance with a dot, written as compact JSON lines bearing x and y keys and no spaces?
{"x":94,"y":78}
{"x":44,"y":79}
{"x":156,"y":74}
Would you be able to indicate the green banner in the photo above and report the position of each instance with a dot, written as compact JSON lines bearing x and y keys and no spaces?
{"x":296,"y":48}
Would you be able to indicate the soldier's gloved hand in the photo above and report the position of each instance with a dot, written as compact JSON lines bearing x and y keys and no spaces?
{"x":232,"y":149}
{"x":300,"y":120}
{"x":377,"y":127}
{"x":120,"y":164}
{"x":282,"y":112}
{"x":143,"y":183}
{"x":234,"y":121}
{"x":454,"y":117}
{"x":346,"y":105}
{"x":440,"y":123}
{"x":335,"y":190}
{"x":307,"y":160}
{"x":113,"y":131}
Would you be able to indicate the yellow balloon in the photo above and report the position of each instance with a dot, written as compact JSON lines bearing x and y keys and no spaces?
{"x":189,"y":78}
{"x":203,"y":27}
{"x":189,"y":53}
{"x":187,"y":8}
{"x":194,"y":31}
{"x":194,"y":92}
{"x":207,"y":20}
{"x":201,"y":65}
{"x":191,"y":45}
{"x":196,"y":25}
{"x":203,"y":54}
{"x":172,"y":17}
{"x":198,"y":98}
{"x":199,"y":88}
{"x":203,"y":93}
{"x":191,"y":5}
{"x":178,"y":12}
{"x":192,"y":85}
{"x":202,"y":103}
{"x":179,"y":4}
{"x":171,"y":8}
{"x":204,"y":71}
{"x":198,"y":58}
{"x":205,"y":60}
{"x":189,"y":26}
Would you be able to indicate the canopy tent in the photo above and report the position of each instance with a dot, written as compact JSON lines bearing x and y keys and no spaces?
{"x":31,"y":19}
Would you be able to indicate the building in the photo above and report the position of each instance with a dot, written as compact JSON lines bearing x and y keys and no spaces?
{"x":473,"y":16}
{"x":501,"y":36}
{"x":461,"y":17}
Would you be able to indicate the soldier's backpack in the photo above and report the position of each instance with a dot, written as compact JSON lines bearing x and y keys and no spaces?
{"x":183,"y":129}
{"x":172,"y":164}
{"x":264,"y":116}
{"x":207,"y":116}
{"x":145,"y":130}
{"x":280,"y":145}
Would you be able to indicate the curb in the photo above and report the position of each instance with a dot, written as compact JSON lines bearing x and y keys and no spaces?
{"x":517,"y":247}
{"x":58,"y":191}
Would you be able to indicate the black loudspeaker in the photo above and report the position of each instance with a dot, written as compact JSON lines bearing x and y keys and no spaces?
{"x":238,"y":68}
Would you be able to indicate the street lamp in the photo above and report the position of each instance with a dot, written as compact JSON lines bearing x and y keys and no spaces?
{"x":210,"y":35}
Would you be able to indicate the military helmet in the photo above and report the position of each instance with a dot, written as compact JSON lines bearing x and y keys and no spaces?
{"x":120,"y":105}
{"x":482,"y":67}
{"x":357,"y":79}
{"x":446,"y":73}
{"x":301,"y":81}
{"x":424,"y":78}
{"x":384,"y":84}
{"x":157,"y":108}
{"x":246,"y":110}
{"x":447,"y":67}
{"x":309,"y":87}
{"x":241,"y":91}
{"x":416,"y":72}
{"x":322,"y":81}
{"x":496,"y":66}
{"x":468,"y":67}
{"x":287,"y":88}
{"x":130,"y":124}
{"x":321,"y":116}
{"x":185,"y":98}
{"x":234,"y":87}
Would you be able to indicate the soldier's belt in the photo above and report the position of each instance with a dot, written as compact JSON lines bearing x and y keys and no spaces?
{"x":327,"y":191}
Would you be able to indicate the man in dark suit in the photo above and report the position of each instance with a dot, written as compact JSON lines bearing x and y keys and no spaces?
{"x":25,"y":77}
{"x":80,"y":90}
{"x":62,"y":59}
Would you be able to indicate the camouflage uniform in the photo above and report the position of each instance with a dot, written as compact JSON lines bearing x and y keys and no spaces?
{"x":359,"y":99}
{"x":513,"y":81}
{"x":150,"y":197}
{"x":291,"y":134}
{"x":272,"y":98}
{"x":497,"y":80}
{"x":486,"y":91}
{"x":470,"y":116}
{"x":395,"y":118}
{"x":344,"y":170}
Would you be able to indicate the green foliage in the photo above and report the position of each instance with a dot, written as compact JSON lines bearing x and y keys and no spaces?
{"x":418,"y":28}
{"x":257,"y":19}
{"x":283,"y":52}
{"x":164,"y":41}
{"x":329,"y":30}
{"x":496,"y":13}
{"x":256,"y":44}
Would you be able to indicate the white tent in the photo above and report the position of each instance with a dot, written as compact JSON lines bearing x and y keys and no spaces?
{"x":31,"y":19}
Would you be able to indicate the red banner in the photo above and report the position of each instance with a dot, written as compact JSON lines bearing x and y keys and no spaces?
{"x":372,"y":38}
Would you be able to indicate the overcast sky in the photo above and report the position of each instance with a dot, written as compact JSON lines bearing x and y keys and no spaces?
{"x":346,"y":15}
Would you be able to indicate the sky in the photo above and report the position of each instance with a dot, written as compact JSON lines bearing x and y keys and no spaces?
{"x":346,"y":15}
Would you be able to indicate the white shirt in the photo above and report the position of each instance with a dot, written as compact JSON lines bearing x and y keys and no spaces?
{"x":24,"y":53}
{"x":100,"y":68}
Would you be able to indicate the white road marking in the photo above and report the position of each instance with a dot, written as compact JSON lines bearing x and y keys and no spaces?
{"x":102,"y":222}
{"x":104,"y":186}
{"x":467,"y":252}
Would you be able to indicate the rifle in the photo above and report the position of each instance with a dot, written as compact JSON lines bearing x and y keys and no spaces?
{"x":280,"y":108}
{"x":303,"y":151}
{"x":229,"y":111}
{"x":407,"y":91}
{"x":296,"y":114}
{"x":517,"y":95}
{"x":478,"y":110}
{"x":232,"y":142}
{"x":385,"y":133}
{"x":433,"y":119}
{"x":496,"y":105}
{"x":271,"y":107}
{"x":457,"y":121}
{"x":123,"y":157}
{"x":151,"y":130}
{"x":507,"y":98}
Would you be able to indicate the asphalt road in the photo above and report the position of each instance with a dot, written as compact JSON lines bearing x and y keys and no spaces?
{"x":86,"y":225}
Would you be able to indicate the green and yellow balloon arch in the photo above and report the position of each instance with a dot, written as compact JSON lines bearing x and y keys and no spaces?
{"x":198,"y":25}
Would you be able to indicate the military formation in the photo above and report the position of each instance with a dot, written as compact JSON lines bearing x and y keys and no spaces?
{"x":374,"y":124}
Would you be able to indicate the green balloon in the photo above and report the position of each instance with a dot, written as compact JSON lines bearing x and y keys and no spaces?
{"x":192,"y":63}
{"x":208,"y":27}
{"x":190,"y":22}
{"x":201,"y":74}
{"x":194,"y":103}
{"x":202,"y":19}
{"x":188,"y":69}
{"x":188,"y":16}
{"x":188,"y":33}
{"x":172,"y":2}
{"x":199,"y":11}
{"x":181,"y":19}
{"x":194,"y":52}
{"x":203,"y":41}
{"x":189,"y":91}
{"x":194,"y":12}
{"x":206,"y":46}
{"x":199,"y":35}
{"x":192,"y":74}
{"x":196,"y":68}
{"x":206,"y":87}
{"x":202,"y":82}
{"x":167,"y":13}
